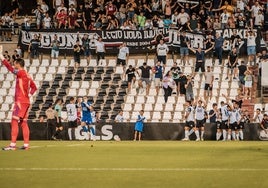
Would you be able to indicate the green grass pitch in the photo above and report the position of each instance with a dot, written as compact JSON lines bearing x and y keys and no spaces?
{"x":127,"y":164}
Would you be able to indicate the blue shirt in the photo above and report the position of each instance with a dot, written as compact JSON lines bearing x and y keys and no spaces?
{"x":219,"y":42}
{"x":158,"y":72}
{"x":85,"y":109}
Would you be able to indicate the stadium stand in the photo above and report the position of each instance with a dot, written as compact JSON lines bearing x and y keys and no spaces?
{"x":108,"y":89}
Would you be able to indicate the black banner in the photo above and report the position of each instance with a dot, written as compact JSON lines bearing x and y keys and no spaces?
{"x":138,"y":41}
{"x":125,"y":131}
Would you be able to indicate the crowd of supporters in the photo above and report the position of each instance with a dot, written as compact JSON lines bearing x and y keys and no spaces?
{"x":195,"y":16}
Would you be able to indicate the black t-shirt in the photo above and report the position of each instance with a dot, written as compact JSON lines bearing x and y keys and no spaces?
{"x":184,"y":40}
{"x":233,"y":57}
{"x":233,"y":37}
{"x":182,"y":81}
{"x":85,"y":43}
{"x":212,"y":119}
{"x":242,"y":69}
{"x":209,"y":43}
{"x":77,"y":53}
{"x":35,"y":43}
{"x":87,"y":14}
{"x":145,"y":71}
{"x":240,"y":24}
{"x":130,"y":73}
{"x":264,"y":57}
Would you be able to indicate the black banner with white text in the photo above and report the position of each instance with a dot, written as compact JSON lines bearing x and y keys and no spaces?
{"x":143,"y":41}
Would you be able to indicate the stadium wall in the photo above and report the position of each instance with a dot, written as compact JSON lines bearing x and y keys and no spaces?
{"x":152,"y":131}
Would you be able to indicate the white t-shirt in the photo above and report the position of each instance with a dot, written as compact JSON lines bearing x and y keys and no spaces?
{"x":47,"y":21}
{"x":255,"y":10}
{"x":27,"y":22}
{"x":119,"y":118}
{"x":123,"y":53}
{"x":259,"y":118}
{"x":93,"y":116}
{"x":60,"y":8}
{"x":258,"y":19}
{"x":251,"y":41}
{"x":224,"y":17}
{"x":240,"y":5}
{"x":199,"y":113}
{"x":58,"y":3}
{"x":208,"y":76}
{"x":224,"y":113}
{"x":100,"y":46}
{"x":234,"y":116}
{"x":72,"y":2}
{"x":162,"y":49}
{"x":190,"y":110}
{"x":71,"y":112}
{"x":44,"y":7}
{"x":183,"y":18}
{"x":174,"y":19}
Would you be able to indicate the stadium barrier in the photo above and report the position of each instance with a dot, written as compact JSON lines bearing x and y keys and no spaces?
{"x":152,"y":131}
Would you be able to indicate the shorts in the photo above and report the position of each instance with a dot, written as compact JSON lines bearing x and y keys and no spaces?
{"x":121,"y":61}
{"x":86,"y":120}
{"x":138,"y":126}
{"x":232,"y":67}
{"x":207,"y":87}
{"x":87,"y":52}
{"x":146,"y":80}
{"x":184,"y":51}
{"x":241,"y":125}
{"x":77,"y":59}
{"x":199,"y":65}
{"x":233,"y":126}
{"x":189,"y":96}
{"x":189,"y":124}
{"x":54,"y":53}
{"x":20,"y":110}
{"x":200,"y":123}
{"x":248,"y":84}
{"x":58,"y":124}
{"x":218,"y":124}
{"x":176,"y":81}
{"x":72,"y":124}
{"x":182,"y":90}
{"x":224,"y":124}
{"x":129,"y":79}
{"x":251,"y":50}
{"x":242,"y":80}
{"x":162,"y":59}
{"x":157,"y":82}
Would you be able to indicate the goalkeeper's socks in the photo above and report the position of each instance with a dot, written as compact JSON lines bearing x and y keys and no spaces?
{"x":84,"y":128}
{"x":92,"y":130}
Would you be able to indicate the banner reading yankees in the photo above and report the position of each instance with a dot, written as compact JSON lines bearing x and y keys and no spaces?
{"x":138,"y":41}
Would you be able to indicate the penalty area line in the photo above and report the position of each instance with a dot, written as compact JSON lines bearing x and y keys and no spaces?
{"x":135,"y":169}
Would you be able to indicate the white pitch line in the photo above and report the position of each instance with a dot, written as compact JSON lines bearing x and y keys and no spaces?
{"x":136,"y":169}
{"x":35,"y":147}
{"x":73,"y":145}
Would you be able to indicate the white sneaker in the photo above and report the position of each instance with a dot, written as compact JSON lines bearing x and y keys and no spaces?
{"x":93,"y":138}
{"x":8,"y":148}
{"x":185,"y":139}
{"x":202,"y":139}
{"x":198,"y":139}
